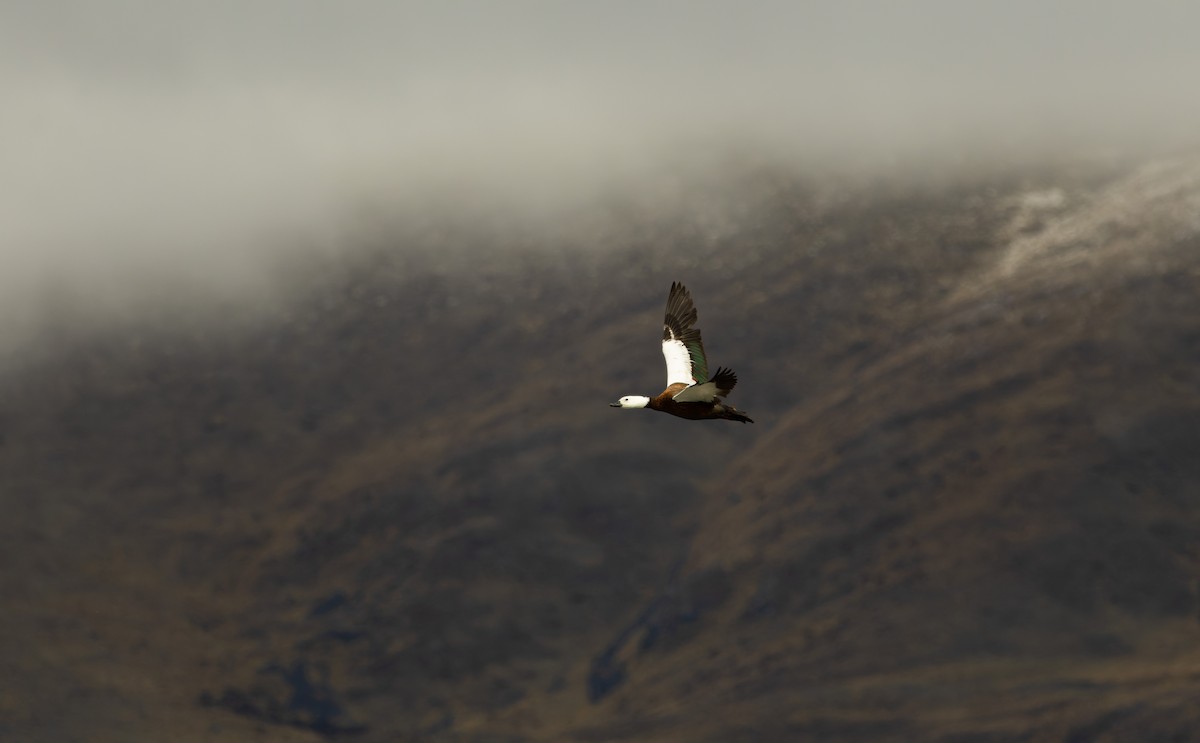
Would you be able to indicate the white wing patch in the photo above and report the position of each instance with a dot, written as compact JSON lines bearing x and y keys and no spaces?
{"x":679,"y":362}
{"x":706,"y":392}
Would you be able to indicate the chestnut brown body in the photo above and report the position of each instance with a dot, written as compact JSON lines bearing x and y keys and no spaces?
{"x":694,"y":410}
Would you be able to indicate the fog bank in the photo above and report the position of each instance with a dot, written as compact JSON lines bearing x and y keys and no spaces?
{"x":197,"y":140}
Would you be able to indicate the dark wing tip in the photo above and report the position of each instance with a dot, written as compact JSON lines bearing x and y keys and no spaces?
{"x":725,"y":379}
{"x":680,"y":314}
{"x":678,"y":295}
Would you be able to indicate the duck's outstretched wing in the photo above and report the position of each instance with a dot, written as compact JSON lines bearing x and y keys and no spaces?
{"x":721,"y":385}
{"x":682,"y":347}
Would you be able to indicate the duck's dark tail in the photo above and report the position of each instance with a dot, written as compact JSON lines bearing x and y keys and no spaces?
{"x":731,"y":413}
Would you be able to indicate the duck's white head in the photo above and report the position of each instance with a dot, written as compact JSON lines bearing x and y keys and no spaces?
{"x":631,"y":401}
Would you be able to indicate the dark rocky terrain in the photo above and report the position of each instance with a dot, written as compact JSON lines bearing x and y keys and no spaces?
{"x":397,"y":507}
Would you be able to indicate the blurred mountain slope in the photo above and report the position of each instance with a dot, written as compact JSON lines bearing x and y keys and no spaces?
{"x":397,"y":504}
{"x":989,"y":531}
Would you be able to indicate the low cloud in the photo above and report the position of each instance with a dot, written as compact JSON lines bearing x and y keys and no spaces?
{"x":198,"y":140}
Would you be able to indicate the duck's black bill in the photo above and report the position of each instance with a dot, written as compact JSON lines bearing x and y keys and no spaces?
{"x":614,"y":405}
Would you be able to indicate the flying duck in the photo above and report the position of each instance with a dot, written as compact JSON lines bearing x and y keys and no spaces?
{"x":689,"y":393}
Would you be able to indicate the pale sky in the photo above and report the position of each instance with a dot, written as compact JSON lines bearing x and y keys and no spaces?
{"x":141,"y":136}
